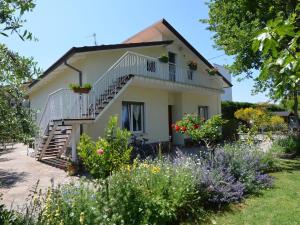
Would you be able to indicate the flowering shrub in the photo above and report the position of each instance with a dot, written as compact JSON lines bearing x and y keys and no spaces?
{"x":198,"y":129}
{"x":247,"y":164}
{"x":259,"y":118}
{"x":108,"y":154}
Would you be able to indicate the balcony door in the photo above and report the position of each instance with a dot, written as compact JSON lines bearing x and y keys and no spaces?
{"x":172,"y":66}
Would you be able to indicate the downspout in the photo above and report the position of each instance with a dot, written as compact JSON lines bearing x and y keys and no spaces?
{"x":80,"y":84}
{"x":77,"y":70}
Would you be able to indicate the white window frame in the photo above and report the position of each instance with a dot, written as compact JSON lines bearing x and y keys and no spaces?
{"x":131,"y":104}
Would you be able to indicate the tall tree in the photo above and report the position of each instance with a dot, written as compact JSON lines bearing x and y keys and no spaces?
{"x":236,"y":25}
{"x":15,"y":70}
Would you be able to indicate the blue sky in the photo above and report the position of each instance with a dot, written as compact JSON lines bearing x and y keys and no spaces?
{"x":60,"y":25}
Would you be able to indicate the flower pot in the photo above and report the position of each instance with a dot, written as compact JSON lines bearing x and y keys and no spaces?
{"x":193,"y":67}
{"x":72,"y":170}
{"x":81,"y":90}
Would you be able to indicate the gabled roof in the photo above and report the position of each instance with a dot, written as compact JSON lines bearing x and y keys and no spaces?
{"x":75,"y":50}
{"x":185,"y":42}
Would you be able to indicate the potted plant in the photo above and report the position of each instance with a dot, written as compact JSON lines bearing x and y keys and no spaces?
{"x":212,"y":71}
{"x":72,"y":168}
{"x":192,"y":65}
{"x":85,"y":89}
{"x":163,"y":59}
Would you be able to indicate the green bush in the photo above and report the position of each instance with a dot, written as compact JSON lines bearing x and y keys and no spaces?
{"x":247,"y":164}
{"x":286,"y":145}
{"x":154,"y":193}
{"x":108,"y":154}
{"x":209,"y":131}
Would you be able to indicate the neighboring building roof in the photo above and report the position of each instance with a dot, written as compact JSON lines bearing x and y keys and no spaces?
{"x":75,"y":50}
{"x":283,"y":113}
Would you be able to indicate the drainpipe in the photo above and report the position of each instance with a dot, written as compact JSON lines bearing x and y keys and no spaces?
{"x":77,"y":70}
{"x":80,"y":84}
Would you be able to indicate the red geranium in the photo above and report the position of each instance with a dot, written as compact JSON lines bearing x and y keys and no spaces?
{"x":177,"y":128}
{"x":183,"y":129}
{"x":100,"y":151}
{"x":196,"y":126}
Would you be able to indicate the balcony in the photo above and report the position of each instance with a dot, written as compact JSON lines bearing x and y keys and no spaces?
{"x":149,"y":67}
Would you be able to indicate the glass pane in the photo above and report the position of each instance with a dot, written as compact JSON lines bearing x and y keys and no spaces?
{"x":136,"y":117}
{"x":125,"y":117}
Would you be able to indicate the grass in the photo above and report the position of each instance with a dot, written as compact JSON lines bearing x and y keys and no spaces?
{"x":277,"y":206}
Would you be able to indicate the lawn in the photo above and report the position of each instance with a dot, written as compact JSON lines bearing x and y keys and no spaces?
{"x":278,"y":206}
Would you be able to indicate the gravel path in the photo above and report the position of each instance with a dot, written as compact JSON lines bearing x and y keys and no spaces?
{"x":19,"y":173}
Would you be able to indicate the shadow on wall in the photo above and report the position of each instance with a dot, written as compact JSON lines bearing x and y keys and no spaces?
{"x":9,"y":178}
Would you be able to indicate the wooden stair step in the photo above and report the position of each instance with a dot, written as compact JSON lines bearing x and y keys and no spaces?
{"x":55,"y":162}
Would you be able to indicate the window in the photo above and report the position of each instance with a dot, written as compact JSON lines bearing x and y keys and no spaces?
{"x":203,"y":112}
{"x":151,"y":67}
{"x":190,"y":74}
{"x":133,"y":116}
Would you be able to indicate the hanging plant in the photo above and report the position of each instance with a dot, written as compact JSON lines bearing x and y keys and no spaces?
{"x":192,"y":65}
{"x":212,"y":71}
{"x":163,"y":59}
{"x":83,"y":90}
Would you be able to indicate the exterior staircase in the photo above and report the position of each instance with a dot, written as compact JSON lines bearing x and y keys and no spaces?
{"x":53,"y":143}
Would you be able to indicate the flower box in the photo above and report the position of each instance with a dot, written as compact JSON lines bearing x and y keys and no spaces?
{"x":81,"y":90}
{"x":192,"y":65}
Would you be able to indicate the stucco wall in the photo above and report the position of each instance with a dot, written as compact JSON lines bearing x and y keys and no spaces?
{"x":156,"y":113}
{"x":39,"y":97}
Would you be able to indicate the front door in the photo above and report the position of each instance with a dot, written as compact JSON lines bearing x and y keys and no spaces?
{"x":172,"y":66}
{"x":170,"y":120}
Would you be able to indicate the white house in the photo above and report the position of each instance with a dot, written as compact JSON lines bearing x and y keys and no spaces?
{"x":127,"y":80}
{"x":227,"y":95}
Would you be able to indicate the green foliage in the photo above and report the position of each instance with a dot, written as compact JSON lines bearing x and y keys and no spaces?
{"x":235,"y":24}
{"x":108,"y":154}
{"x":246,"y":162}
{"x":230,"y":129}
{"x":11,"y":17}
{"x":163,"y":59}
{"x":229,"y":108}
{"x":198,"y":129}
{"x":77,"y":86}
{"x":289,"y":144}
{"x":259,"y":118}
{"x":270,"y":28}
{"x":278,"y":43}
{"x":74,"y":86}
{"x":154,"y":193}
{"x":16,"y":120}
{"x":87,"y":85}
